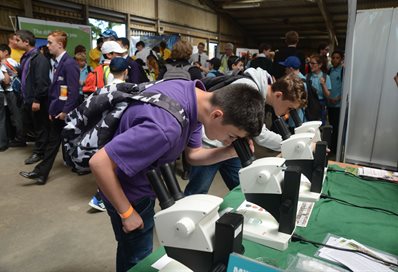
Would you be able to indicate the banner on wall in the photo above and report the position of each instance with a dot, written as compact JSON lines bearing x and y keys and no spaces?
{"x":77,"y":34}
{"x":242,"y":52}
{"x":154,"y":40}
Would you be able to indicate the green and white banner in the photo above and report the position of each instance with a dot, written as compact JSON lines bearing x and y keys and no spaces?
{"x":77,"y":34}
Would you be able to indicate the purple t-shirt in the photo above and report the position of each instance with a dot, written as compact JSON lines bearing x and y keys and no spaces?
{"x":149,"y":136}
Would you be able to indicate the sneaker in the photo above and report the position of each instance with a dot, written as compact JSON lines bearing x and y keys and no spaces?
{"x":97,"y":204}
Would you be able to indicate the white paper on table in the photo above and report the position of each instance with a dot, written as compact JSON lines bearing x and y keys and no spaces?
{"x":354,"y":261}
{"x":304,"y":210}
{"x":162,"y":262}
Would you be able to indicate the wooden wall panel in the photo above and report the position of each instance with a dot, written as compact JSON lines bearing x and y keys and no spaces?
{"x":50,"y":12}
{"x":135,"y":7}
{"x":7,"y":9}
{"x":187,"y":15}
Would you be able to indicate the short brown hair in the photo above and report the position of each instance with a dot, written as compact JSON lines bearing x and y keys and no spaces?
{"x":60,"y":36}
{"x":181,"y":50}
{"x":292,"y":88}
{"x":291,"y":37}
{"x":80,"y":56}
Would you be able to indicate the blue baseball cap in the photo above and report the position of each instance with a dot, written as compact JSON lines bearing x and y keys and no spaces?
{"x":109,"y":33}
{"x":118,"y":65}
{"x":291,"y":62}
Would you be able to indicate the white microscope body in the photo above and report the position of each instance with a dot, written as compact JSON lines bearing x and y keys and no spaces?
{"x":191,"y":229}
{"x":297,"y":150}
{"x":268,"y":184}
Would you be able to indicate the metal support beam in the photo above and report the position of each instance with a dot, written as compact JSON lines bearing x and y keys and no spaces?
{"x":347,"y":82}
{"x":329,"y":24}
{"x":128,"y":30}
{"x":86,"y":14}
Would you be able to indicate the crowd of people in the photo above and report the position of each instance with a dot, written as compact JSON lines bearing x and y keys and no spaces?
{"x":40,"y":86}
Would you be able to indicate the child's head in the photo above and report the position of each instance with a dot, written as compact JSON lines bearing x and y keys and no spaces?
{"x":118,"y":67}
{"x":337,"y":58}
{"x":287,"y":93}
{"x":214,"y":63}
{"x":81,"y":59}
{"x":182,"y":50}
{"x":238,"y":105}
{"x":291,"y":64}
{"x":316,"y":63}
{"x":5,"y":51}
{"x":111,"y":49}
{"x":235,"y":63}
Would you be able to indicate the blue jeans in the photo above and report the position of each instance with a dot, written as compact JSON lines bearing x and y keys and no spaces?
{"x":134,"y":246}
{"x":201,"y":177}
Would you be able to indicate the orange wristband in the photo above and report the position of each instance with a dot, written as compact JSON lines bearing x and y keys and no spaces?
{"x":127,"y":213}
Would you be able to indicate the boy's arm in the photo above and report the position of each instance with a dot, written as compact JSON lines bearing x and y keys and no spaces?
{"x":103,"y":169}
{"x":208,"y":156}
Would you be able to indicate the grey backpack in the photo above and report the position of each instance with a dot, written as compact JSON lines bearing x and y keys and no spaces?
{"x":177,"y":72}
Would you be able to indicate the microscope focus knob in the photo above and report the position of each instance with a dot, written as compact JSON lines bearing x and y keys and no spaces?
{"x":185,"y":226}
{"x":311,"y":130}
{"x":263,"y":176}
{"x":300,"y":146}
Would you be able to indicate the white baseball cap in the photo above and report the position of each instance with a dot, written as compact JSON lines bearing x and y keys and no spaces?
{"x":112,"y":46}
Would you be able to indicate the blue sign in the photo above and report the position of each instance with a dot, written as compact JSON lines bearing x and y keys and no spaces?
{"x":240,"y":263}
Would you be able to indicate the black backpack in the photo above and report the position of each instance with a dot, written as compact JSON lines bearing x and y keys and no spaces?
{"x":94,"y":122}
{"x":313,"y":111}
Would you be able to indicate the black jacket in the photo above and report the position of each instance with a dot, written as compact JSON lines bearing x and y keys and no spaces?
{"x":278,"y":70}
{"x":37,"y":80}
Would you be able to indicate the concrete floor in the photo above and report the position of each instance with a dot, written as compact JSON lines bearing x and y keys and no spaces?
{"x":51,"y":227}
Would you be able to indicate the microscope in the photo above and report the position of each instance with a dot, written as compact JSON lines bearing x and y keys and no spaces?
{"x":191,"y":229}
{"x":297,"y":150}
{"x":322,"y":133}
{"x":272,"y":191}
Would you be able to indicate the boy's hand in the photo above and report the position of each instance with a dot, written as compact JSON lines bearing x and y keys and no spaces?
{"x":133,"y":222}
{"x":35,"y":106}
{"x":322,"y":80}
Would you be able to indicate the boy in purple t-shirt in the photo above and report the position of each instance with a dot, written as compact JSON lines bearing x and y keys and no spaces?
{"x":148,"y":136}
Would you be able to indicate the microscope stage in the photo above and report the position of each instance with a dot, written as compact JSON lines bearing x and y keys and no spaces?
{"x":261,"y":227}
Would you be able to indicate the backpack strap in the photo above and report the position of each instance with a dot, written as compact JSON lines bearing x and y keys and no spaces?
{"x":137,"y":92}
{"x":107,"y":71}
{"x":163,"y":101}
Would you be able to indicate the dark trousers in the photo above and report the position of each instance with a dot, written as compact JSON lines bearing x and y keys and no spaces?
{"x":39,"y":123}
{"x":15,"y":115}
{"x":3,"y":131}
{"x":136,"y":245}
{"x":51,"y":151}
{"x":201,"y":177}
{"x":334,"y":118}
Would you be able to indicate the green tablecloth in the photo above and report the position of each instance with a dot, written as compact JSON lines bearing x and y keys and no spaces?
{"x":373,"y":228}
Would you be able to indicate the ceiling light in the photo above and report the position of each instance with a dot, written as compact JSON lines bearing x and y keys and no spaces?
{"x":241,"y":6}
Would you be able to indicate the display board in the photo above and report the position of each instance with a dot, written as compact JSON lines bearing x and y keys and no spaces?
{"x":372,"y":126}
{"x":77,"y":34}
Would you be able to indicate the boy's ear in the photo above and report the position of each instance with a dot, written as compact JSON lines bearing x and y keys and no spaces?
{"x":217,"y":113}
{"x":278,"y":94}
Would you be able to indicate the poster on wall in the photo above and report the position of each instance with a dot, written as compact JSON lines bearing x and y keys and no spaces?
{"x":77,"y":34}
{"x":154,"y":40}
{"x":242,"y":52}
